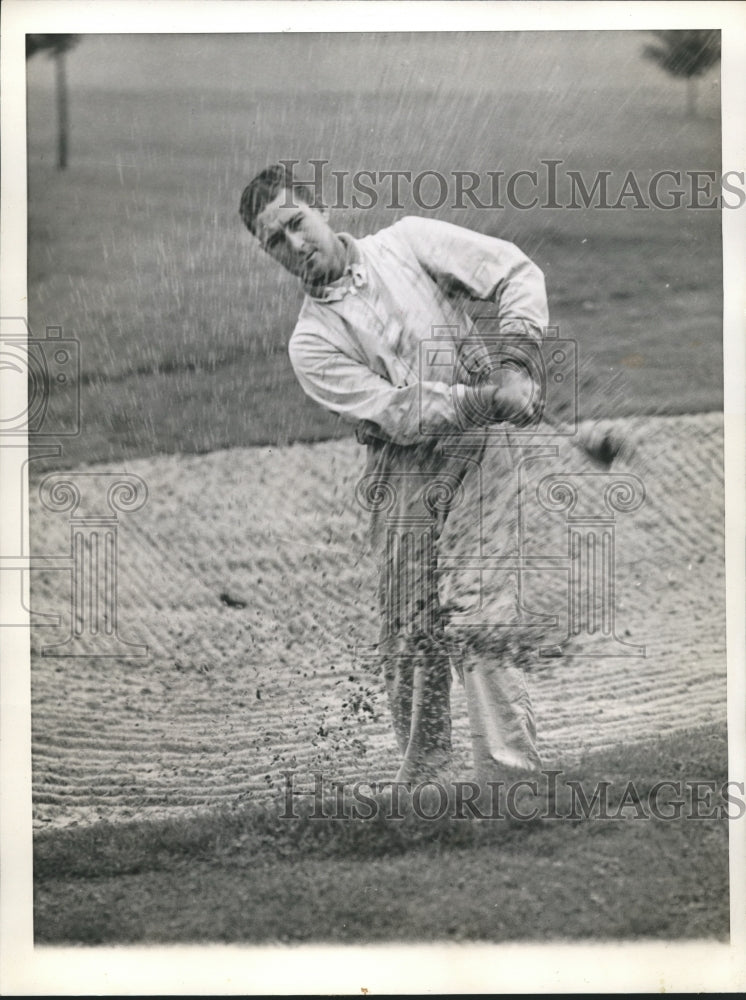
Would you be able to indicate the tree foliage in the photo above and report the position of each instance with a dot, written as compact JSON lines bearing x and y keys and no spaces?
{"x":53,"y":44}
{"x":685,"y":53}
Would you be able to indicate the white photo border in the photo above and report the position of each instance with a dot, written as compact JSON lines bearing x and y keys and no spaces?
{"x":224,"y":970}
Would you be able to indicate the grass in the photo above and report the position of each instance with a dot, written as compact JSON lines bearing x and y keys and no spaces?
{"x":255,"y":875}
{"x":137,"y":251}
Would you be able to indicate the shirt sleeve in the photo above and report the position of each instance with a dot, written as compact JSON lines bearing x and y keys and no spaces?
{"x":350,"y":389}
{"x":488,"y":268}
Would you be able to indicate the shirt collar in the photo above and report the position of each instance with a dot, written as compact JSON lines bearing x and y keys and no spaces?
{"x":353,"y":277}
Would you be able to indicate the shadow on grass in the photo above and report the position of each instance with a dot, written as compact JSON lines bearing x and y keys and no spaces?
{"x":377,"y":824}
{"x":257,"y":876}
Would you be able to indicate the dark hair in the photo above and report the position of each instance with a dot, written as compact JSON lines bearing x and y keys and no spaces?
{"x":265,"y":187}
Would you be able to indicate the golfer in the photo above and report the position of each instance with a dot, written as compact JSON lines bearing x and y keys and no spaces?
{"x":357,"y":350}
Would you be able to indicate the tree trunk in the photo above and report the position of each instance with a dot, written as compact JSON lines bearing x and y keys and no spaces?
{"x":691,"y":97}
{"x":62,"y":116}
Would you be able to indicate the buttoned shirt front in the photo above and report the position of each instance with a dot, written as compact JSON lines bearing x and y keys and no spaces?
{"x":380,"y":343}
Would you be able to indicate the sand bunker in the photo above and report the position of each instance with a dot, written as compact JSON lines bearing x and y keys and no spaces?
{"x":229,"y":697}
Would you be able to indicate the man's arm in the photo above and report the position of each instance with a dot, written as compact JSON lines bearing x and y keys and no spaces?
{"x":404,"y":414}
{"x":488,"y":268}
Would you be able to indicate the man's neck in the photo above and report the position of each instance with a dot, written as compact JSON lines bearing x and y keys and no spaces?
{"x":351,"y":256}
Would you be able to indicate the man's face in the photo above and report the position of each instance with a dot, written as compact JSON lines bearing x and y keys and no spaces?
{"x":299,"y":237}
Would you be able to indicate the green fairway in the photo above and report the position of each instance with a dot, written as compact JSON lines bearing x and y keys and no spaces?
{"x":137,"y":250}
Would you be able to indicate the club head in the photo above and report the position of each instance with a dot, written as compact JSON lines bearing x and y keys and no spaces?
{"x":607,"y":450}
{"x":601,"y":443}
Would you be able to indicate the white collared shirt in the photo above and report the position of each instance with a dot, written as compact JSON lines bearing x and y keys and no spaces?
{"x":363,"y":346}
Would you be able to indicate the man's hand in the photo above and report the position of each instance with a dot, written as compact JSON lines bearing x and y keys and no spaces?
{"x":511,"y":395}
{"x":516,"y":398}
